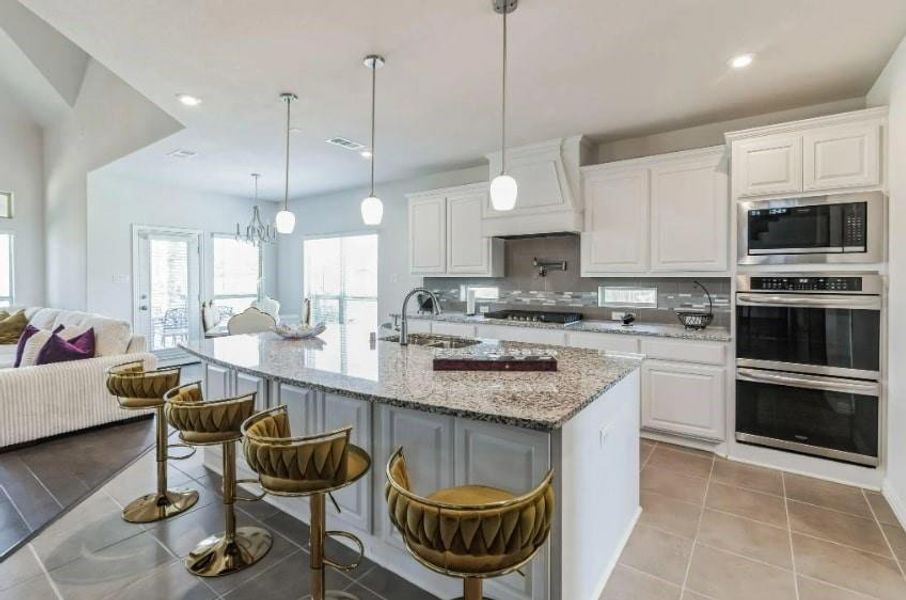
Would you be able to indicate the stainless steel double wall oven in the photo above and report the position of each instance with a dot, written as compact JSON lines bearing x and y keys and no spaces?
{"x":809,"y":362}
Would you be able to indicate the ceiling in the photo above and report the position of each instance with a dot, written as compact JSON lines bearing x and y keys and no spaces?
{"x":608,"y":68}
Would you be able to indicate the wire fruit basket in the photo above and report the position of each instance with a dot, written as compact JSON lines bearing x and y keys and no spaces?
{"x":696,"y":319}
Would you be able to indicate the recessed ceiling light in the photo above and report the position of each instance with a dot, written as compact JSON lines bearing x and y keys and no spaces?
{"x":188,"y":100}
{"x":742,"y":61}
{"x":365,"y":153}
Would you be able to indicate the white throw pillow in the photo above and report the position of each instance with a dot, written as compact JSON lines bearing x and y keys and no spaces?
{"x":33,"y":347}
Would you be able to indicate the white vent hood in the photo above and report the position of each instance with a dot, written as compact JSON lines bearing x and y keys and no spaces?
{"x":550,"y":192}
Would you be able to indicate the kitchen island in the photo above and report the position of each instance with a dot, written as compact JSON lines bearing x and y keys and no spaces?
{"x":496,"y":428}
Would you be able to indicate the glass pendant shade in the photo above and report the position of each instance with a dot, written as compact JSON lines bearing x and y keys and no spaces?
{"x":503,"y":193}
{"x":372,"y":210}
{"x":285,"y":222}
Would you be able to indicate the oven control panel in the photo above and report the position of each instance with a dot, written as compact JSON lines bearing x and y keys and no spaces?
{"x":807,"y":284}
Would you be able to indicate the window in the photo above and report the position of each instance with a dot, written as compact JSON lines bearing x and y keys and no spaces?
{"x":341,"y":279}
{"x":627,"y":297}
{"x":6,"y":205}
{"x":236,"y":273}
{"x":6,"y":269}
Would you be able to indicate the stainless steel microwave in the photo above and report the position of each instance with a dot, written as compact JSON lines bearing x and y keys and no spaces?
{"x":841,"y":228}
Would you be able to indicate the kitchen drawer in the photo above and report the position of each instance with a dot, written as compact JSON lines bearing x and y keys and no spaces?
{"x":711,"y":353}
{"x":611,"y":342}
{"x":458,"y":329}
{"x":523,"y":334}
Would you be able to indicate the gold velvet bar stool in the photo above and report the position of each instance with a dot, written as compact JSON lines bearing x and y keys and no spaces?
{"x":471,"y":532}
{"x":203,"y":422}
{"x":312,"y":466}
{"x":138,"y":389}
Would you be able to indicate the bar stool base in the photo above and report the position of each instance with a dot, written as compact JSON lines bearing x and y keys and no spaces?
{"x":334,"y":595}
{"x":215,"y":556}
{"x":155,"y":507}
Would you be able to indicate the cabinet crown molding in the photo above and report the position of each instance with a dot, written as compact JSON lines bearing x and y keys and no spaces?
{"x":655,"y":159}
{"x":877,"y":113}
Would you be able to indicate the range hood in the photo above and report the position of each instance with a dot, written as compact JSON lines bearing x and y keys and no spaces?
{"x":550,"y":191}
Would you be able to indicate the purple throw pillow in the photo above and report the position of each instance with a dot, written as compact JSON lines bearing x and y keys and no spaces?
{"x":29,"y":331}
{"x":59,"y":350}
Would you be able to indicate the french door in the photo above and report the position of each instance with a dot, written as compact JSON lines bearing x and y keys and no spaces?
{"x":166,"y":274}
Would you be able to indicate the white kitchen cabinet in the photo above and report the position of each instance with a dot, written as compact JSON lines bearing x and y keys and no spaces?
{"x":217,"y":381}
{"x":614,"y":342}
{"x":842,"y":156}
{"x":768,"y":165}
{"x":531,"y":335}
{"x":427,"y":442}
{"x":338,"y":412}
{"x":511,"y":459}
{"x":468,"y":251}
{"x":445,"y":234}
{"x":304,"y":406}
{"x":246,"y":384}
{"x":826,"y":154}
{"x":684,"y":398}
{"x":690,"y":215}
{"x":428,"y":234}
{"x":615,"y":239}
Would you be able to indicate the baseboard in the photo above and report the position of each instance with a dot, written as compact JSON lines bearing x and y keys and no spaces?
{"x":895,"y":501}
{"x":599,"y":589}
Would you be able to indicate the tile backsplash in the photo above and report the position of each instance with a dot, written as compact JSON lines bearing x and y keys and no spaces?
{"x":524,"y":288}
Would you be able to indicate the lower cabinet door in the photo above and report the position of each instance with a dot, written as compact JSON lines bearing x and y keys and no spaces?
{"x":355,"y":500}
{"x":246,"y":384}
{"x":514,"y":460}
{"x":684,"y":398}
{"x":427,"y":442}
{"x":217,"y":383}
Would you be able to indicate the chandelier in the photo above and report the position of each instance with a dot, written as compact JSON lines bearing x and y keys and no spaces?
{"x":256,"y":232}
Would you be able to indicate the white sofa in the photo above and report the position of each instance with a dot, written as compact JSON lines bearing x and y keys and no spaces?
{"x":47,"y":400}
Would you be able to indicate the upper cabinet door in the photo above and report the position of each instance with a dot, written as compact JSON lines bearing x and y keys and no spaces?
{"x":843,"y":156}
{"x":768,"y":165}
{"x":468,"y":250}
{"x":689,"y":215}
{"x":616,"y":222}
{"x":428,"y":234}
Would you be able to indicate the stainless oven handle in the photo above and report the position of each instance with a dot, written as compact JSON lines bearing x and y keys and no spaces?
{"x":797,"y":300}
{"x":862,"y":388}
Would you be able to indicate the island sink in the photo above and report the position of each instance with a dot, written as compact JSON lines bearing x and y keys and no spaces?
{"x":447,"y":342}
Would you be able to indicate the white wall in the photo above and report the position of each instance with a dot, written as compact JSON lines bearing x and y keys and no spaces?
{"x":890,"y":89}
{"x":22,"y":173}
{"x":116,"y":204}
{"x":108,"y":121}
{"x":339,"y":213}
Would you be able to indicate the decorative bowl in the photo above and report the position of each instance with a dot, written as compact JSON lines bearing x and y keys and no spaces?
{"x":299,"y":331}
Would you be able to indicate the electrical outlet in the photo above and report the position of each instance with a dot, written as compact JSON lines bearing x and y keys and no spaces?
{"x":617,"y":315}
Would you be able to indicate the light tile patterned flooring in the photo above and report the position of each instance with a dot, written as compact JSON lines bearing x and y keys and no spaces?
{"x":715,"y":529}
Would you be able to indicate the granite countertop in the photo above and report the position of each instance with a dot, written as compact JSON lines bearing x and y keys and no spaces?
{"x":668,"y":330}
{"x":343,"y":361}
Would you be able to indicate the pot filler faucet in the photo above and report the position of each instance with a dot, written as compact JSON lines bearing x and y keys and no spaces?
{"x":404,"y":323}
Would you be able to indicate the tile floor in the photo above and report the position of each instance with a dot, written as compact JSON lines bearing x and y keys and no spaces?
{"x":39,"y":482}
{"x":711,"y":528}
{"x":91,"y":553}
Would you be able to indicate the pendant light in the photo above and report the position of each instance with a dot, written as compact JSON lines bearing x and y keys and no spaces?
{"x":285,"y":220}
{"x":503,"y":187}
{"x":372,"y":207}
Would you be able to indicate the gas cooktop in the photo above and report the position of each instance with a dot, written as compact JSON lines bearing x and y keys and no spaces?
{"x":536,"y":316}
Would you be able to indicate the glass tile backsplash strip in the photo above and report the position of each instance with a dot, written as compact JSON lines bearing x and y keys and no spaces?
{"x":672,"y":293}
